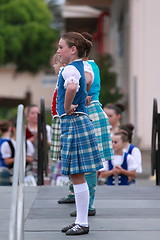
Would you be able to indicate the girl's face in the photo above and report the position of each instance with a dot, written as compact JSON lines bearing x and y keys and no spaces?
{"x":112,"y":116}
{"x":57,"y":65}
{"x":66,"y":53}
{"x":117,"y":143}
{"x":32,"y":116}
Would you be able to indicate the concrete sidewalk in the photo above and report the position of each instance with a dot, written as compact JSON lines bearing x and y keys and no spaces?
{"x":122,"y":213}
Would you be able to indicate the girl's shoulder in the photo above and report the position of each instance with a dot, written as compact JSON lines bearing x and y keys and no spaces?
{"x":70,"y":70}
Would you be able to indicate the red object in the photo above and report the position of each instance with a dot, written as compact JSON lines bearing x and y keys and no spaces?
{"x":54,"y":102}
{"x":99,"y":35}
{"x":29,"y":134}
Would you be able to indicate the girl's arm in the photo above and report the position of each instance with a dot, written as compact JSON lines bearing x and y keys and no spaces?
{"x":105,"y":174}
{"x":127,"y":173}
{"x":9,"y":161}
{"x":89,"y":74}
{"x":88,"y":80}
{"x":29,"y":159}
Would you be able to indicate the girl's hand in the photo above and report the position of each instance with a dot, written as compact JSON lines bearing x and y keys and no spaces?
{"x":116,"y":170}
{"x":119,"y":169}
{"x":88,"y":100}
{"x":71,"y":110}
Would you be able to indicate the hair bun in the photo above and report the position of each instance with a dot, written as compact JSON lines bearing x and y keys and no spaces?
{"x":130,"y":126}
{"x":120,"y":106}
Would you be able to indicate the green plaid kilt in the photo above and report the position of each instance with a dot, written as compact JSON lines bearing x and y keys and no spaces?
{"x":55,"y":148}
{"x":102,"y":130}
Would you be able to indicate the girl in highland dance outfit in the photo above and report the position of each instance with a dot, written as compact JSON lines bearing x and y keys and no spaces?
{"x":99,"y":120}
{"x":80,"y":152}
{"x":55,"y":147}
{"x":114,"y":113}
{"x":95,"y":111}
{"x":32,"y":112}
{"x":123,"y":166}
{"x":101,"y":124}
{"x":132,"y":149}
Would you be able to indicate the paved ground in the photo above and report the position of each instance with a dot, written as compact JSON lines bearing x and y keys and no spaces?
{"x":122,"y":212}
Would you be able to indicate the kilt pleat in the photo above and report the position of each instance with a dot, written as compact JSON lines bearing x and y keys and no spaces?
{"x":55,"y":148}
{"x":79,"y":152}
{"x":102,"y":130}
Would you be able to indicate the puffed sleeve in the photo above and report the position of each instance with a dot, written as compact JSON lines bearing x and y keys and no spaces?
{"x":137,"y":155}
{"x":88,"y":68}
{"x":6,"y":150}
{"x":71,"y":75}
{"x":131,"y":162}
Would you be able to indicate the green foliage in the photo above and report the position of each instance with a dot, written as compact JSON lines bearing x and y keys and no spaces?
{"x":8,"y":113}
{"x":26,"y":37}
{"x":110,"y":93}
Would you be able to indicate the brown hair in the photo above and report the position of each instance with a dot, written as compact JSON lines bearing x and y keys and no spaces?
{"x":89,"y":37}
{"x":117,"y":107}
{"x":124,"y":135}
{"x":54,"y":59}
{"x":127,"y":128}
{"x":4,"y":126}
{"x":76,"y":39}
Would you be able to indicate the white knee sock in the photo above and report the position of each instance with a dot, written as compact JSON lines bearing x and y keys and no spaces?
{"x":82,"y":202}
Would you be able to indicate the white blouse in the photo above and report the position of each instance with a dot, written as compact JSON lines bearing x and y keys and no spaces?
{"x":7,"y":152}
{"x":88,"y":68}
{"x":137,"y":156}
{"x":71,"y":75}
{"x":118,"y":160}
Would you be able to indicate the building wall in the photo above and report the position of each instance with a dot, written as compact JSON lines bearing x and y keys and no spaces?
{"x":119,"y":48}
{"x":144,"y":65}
{"x":15,"y":85}
{"x":137,"y":61}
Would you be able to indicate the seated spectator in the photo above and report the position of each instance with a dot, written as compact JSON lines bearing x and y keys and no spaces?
{"x":132,"y":149}
{"x":8,"y":154}
{"x":123,"y":167}
{"x":32,"y":112}
{"x":114,"y":113}
{"x":5,"y":132}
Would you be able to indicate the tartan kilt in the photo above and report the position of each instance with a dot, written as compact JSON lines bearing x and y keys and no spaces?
{"x":102,"y":130}
{"x":79,"y":152}
{"x":55,"y":148}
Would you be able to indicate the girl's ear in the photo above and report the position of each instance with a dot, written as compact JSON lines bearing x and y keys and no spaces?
{"x":73,"y":50}
{"x":119,"y":116}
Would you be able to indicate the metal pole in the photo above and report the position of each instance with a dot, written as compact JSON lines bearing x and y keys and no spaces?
{"x":40,"y":152}
{"x":16,"y":227}
{"x":158,"y":151}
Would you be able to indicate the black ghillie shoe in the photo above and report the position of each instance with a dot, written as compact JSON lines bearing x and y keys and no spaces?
{"x":65,"y":229}
{"x":77,"y":230}
{"x":66,"y":200}
{"x":90,"y":213}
